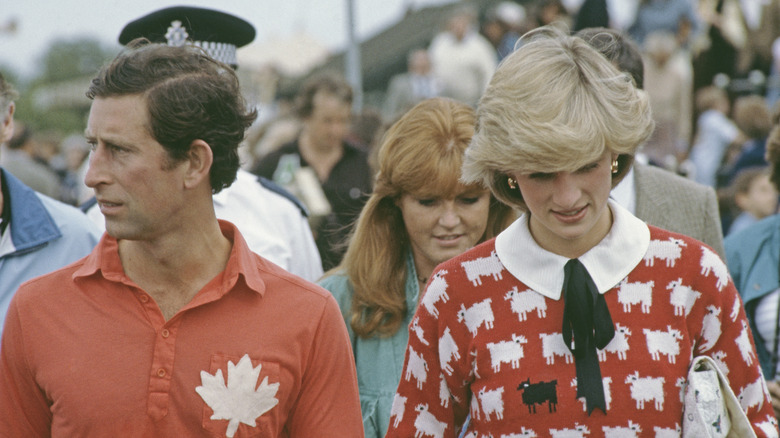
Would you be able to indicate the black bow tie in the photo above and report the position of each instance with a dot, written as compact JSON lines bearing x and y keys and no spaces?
{"x":586,"y":319}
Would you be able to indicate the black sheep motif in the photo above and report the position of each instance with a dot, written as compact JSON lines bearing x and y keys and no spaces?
{"x":539,"y":393}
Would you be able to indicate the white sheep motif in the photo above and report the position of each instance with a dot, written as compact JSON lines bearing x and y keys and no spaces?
{"x":752,"y":394}
{"x":618,"y":345}
{"x":666,"y":432}
{"x":435,"y":292}
{"x":711,"y":262}
{"x":636,"y":293}
{"x":554,"y":345}
{"x":682,"y":297}
{"x":397,"y":409}
{"x":711,"y":329}
{"x":769,"y":426}
{"x":744,"y":345}
{"x":506,"y":352}
{"x":417,"y":368}
{"x":483,"y":267}
{"x":663,"y":342}
{"x":418,"y":331}
{"x":492,"y":402}
{"x":578,"y":431}
{"x":448,"y":349}
{"x":474,"y":407}
{"x":476,"y":315}
{"x":444,"y":392}
{"x":632,"y":430}
{"x":526,"y":301}
{"x":718,"y":357}
{"x":606,"y":383}
{"x":427,"y":424}
{"x":735,"y":308}
{"x":669,"y":250}
{"x":644,"y":389}
{"x":524,"y":433}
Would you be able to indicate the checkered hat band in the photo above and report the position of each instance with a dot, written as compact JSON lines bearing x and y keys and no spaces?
{"x":222,"y":52}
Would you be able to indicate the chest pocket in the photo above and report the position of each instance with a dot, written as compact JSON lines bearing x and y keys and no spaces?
{"x":238,"y":392}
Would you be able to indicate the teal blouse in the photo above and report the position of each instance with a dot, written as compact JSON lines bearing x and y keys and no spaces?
{"x":379,"y":361}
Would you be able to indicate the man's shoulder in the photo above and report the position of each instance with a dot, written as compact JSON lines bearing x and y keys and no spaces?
{"x":661,"y":179}
{"x":752,"y":237}
{"x":69,"y":216}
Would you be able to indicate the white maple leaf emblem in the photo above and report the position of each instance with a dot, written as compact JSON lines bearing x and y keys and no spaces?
{"x":239,"y":401}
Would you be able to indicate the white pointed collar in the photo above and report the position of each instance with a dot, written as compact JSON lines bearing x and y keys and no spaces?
{"x":608,"y":262}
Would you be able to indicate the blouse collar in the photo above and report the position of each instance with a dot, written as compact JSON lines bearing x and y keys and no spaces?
{"x":611,"y":260}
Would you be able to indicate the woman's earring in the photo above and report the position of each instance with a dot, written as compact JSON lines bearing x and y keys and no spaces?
{"x":512,"y":183}
{"x":615,"y":166}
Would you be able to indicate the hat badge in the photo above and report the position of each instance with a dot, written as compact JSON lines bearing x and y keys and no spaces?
{"x":176,"y":35}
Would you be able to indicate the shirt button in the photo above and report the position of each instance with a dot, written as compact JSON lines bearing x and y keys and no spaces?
{"x":165,"y":333}
{"x":144,"y":298}
{"x":161,"y":372}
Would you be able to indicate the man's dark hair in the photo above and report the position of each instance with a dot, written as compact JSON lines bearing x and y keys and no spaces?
{"x":189,"y":97}
{"x":324,"y":83}
{"x":618,"y":48}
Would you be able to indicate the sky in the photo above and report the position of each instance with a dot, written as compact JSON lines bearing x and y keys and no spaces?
{"x":39,"y":22}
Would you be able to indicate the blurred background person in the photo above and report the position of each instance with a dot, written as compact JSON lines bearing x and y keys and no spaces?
{"x":19,"y":157}
{"x":753,"y":257}
{"x":655,"y":195}
{"x":754,"y":120}
{"x":341,"y":172}
{"x":671,"y":94}
{"x":74,"y":151}
{"x":407,"y":89}
{"x":715,"y":134}
{"x":462,"y":58}
{"x":418,"y":216}
{"x":503,"y":25}
{"x":38,"y":233}
{"x":762,"y":23}
{"x":753,"y":196}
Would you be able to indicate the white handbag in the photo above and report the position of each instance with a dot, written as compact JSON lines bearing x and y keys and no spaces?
{"x":710,"y":407}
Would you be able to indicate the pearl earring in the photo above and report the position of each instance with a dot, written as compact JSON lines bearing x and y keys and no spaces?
{"x":512,"y":183}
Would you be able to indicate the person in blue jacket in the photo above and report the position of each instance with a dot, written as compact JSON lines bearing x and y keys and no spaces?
{"x":753,"y":259}
{"x":37,"y":234}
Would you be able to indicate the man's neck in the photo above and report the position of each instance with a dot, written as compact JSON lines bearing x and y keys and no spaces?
{"x":174,"y":268}
{"x":321,"y":159}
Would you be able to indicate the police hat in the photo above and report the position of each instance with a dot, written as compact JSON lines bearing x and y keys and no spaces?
{"x":216,"y":32}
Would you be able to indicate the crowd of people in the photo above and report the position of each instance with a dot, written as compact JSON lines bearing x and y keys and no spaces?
{"x":527,"y":239}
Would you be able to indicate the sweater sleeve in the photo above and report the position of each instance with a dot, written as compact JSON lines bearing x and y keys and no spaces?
{"x":433,"y":395}
{"x":724,"y":334}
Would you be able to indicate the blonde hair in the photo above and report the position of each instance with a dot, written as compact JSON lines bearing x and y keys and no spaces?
{"x":555,"y":104}
{"x":421,"y":154}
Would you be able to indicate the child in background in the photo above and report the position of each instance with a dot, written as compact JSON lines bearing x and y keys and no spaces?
{"x":754,"y":197}
{"x":715,"y":133}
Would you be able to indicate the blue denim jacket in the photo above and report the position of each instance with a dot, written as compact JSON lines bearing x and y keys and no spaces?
{"x":43,"y":235}
{"x":753,"y":258}
{"x":379,"y":360}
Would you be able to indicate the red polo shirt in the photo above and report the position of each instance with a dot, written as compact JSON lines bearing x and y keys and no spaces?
{"x":257,"y":352}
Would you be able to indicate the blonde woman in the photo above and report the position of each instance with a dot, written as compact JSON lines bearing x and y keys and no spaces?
{"x":418,"y":216}
{"x":578,"y":319}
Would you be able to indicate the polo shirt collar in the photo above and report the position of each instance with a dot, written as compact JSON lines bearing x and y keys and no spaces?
{"x":611,"y":260}
{"x":241,"y":263}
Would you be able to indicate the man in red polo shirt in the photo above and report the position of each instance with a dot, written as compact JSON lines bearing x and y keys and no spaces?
{"x":172,"y":326}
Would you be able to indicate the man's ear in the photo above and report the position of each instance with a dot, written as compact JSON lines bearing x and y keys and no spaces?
{"x":7,"y":126}
{"x":199,"y":161}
